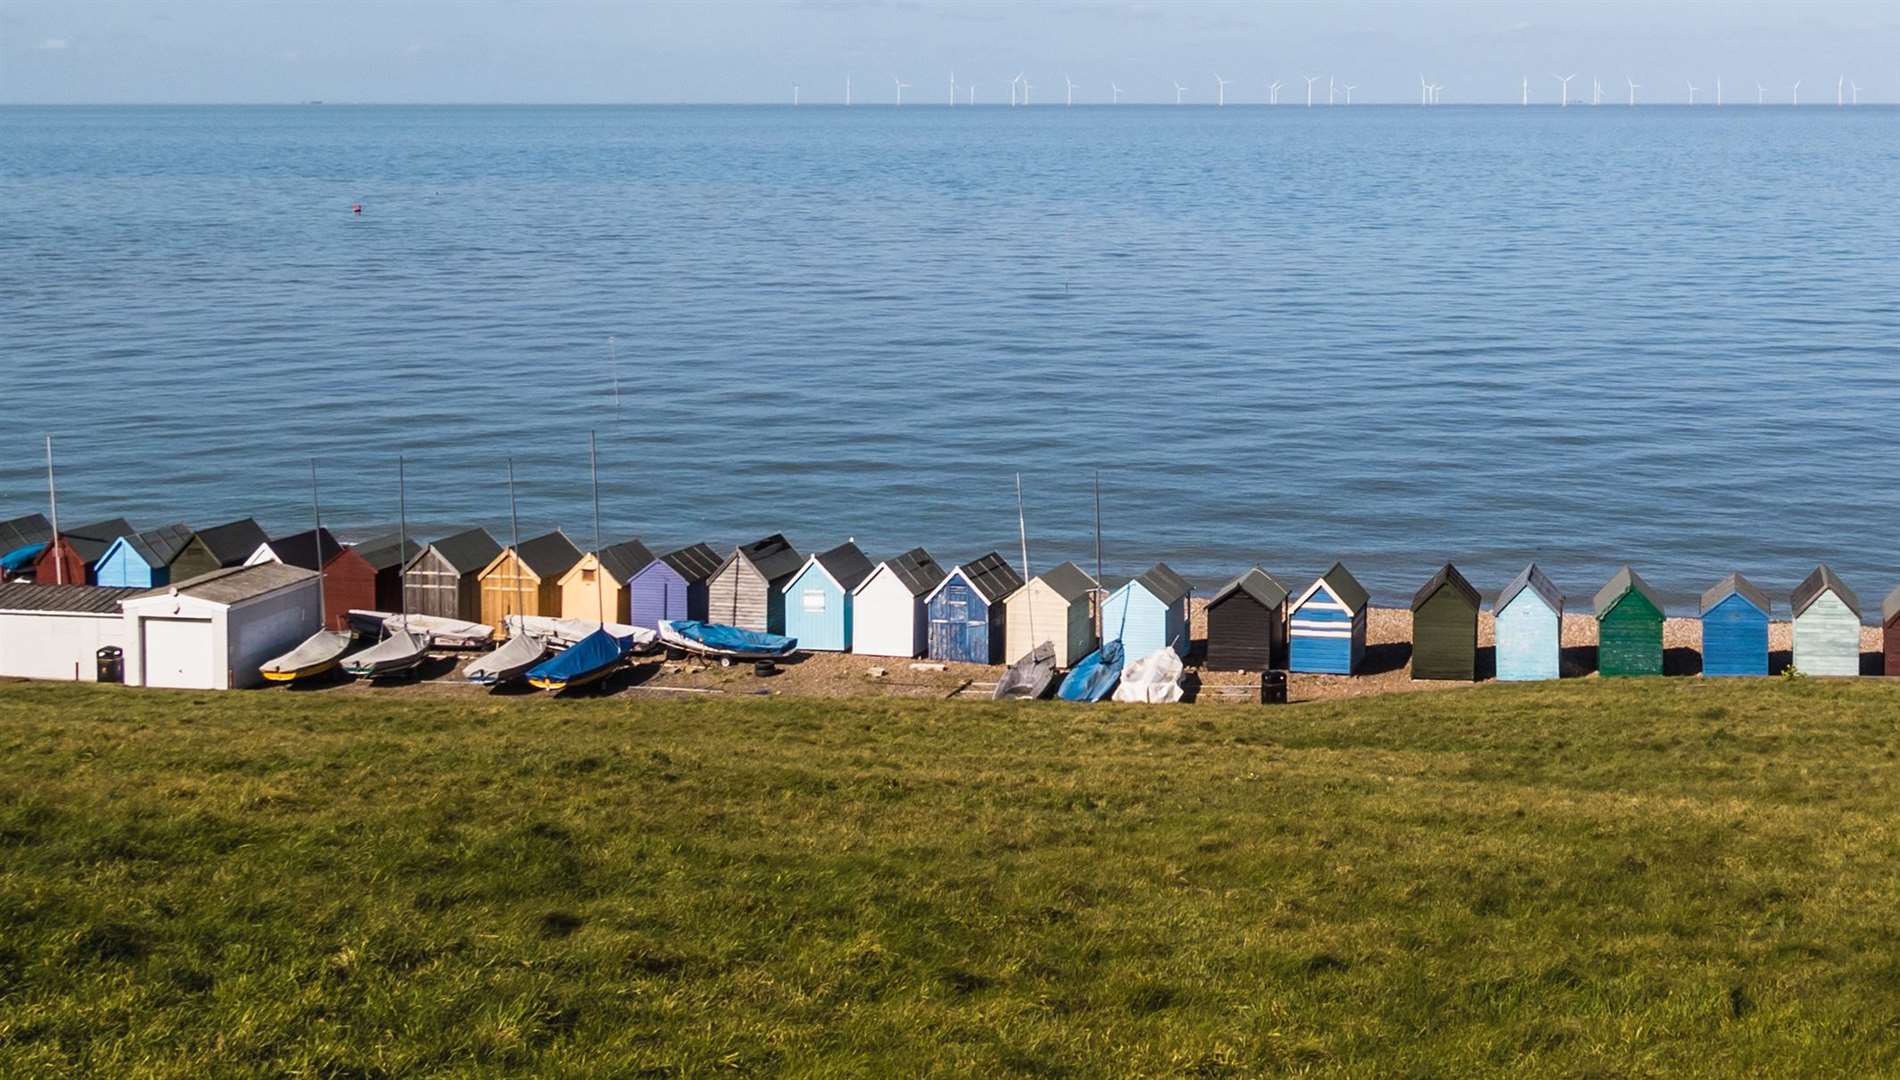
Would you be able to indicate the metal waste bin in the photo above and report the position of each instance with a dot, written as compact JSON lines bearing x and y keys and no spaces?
{"x":111,"y":664}
{"x":1273,"y":688}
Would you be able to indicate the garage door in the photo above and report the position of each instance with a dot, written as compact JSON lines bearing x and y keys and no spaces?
{"x":179,"y":653}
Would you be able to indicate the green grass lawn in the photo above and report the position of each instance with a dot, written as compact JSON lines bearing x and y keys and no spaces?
{"x":1646,"y":877}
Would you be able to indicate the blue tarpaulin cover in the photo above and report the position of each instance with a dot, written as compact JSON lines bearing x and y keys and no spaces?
{"x":591,"y":655}
{"x":20,"y":558}
{"x":1095,"y":676}
{"x":719,"y":637}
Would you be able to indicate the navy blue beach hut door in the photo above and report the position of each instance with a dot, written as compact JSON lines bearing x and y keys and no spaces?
{"x":950,"y":629}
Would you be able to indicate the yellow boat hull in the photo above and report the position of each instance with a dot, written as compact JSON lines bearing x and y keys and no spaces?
{"x":301,"y":673}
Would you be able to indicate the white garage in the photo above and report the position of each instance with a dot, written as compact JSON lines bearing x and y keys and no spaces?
{"x":56,"y":631}
{"x":213,"y":631}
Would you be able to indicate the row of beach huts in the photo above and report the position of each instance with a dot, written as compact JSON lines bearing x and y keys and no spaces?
{"x":202,"y":608}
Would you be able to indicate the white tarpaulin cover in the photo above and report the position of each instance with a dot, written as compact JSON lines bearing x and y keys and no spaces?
{"x":1155,"y":678}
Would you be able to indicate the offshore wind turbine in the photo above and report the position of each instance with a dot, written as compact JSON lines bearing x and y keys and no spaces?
{"x":972,"y":93}
{"x":1565,"y":80}
{"x":1114,"y":94}
{"x":1069,"y":102}
{"x":1329,"y":89}
{"x":847,"y":91}
{"x":953,"y":88}
{"x":1797,"y":94}
{"x":1855,"y":88}
{"x":794,"y":95}
{"x":1718,"y":91}
{"x":1012,"y":89}
{"x":1220,"y":90}
{"x":1634,"y":86}
{"x":1596,"y":90}
{"x":1178,"y":91}
{"x":1310,"y":80}
{"x":1692,"y":89}
{"x":1273,"y":92}
{"x":1436,"y":87}
{"x":1523,"y":92}
{"x":1838,"y":85}
{"x":901,"y":84}
{"x":1026,"y":89}
{"x":1349,"y":88}
{"x":1760,"y":93}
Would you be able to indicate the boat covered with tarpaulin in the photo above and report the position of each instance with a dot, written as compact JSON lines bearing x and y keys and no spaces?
{"x":1094,"y":676}
{"x":398,"y":654}
{"x":588,"y":660}
{"x":727,"y":643}
{"x":1154,"y":679}
{"x":315,"y":655}
{"x":509,"y":662}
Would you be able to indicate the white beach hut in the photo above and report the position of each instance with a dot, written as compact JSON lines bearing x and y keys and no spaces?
{"x":888,"y":606}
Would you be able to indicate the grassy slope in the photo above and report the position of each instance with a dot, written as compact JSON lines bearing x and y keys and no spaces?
{"x":1620,"y":878}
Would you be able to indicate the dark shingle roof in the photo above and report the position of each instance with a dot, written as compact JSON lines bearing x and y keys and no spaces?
{"x":234,"y":541}
{"x":549,"y":555}
{"x":1447,"y":575}
{"x":772,"y":556}
{"x":1163,"y":583}
{"x":93,"y":538}
{"x":1533,"y":579}
{"x":1823,"y":580}
{"x":468,"y":551}
{"x":25,"y":596}
{"x":625,"y":559}
{"x":846,"y":565}
{"x":694,"y":563}
{"x":992,"y":576}
{"x":1068,"y":581}
{"x":234,"y":584}
{"x":1256,"y":583}
{"x":916,"y":571}
{"x":1735,"y":583}
{"x":23,"y":531}
{"x":303,"y":549}
{"x":1623,"y":581}
{"x":158,"y":547}
{"x":1345,"y":588}
{"x":383,"y":552}
{"x":1891,"y":607}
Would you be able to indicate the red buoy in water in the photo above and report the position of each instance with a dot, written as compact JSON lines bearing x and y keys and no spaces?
{"x":356,"y":208}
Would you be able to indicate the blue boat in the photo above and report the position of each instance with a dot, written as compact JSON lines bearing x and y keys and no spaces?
{"x":20,"y":558}
{"x":588,"y":660}
{"x":728,"y":643}
{"x":1095,"y":676}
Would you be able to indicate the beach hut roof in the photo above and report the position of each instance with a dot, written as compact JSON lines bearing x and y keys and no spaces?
{"x":1735,"y":583}
{"x":1256,"y":583}
{"x":1891,"y":607}
{"x":158,"y":547}
{"x":625,"y":559}
{"x":23,"y":531}
{"x":547,"y":556}
{"x":1344,"y":587}
{"x":1068,"y":581}
{"x":311,"y":549}
{"x":1447,"y":575}
{"x":383,"y":552}
{"x":916,"y":571}
{"x":1162,"y":583}
{"x":92,"y":539}
{"x":468,"y":550}
{"x":772,"y":556}
{"x":1623,"y":581}
{"x":235,"y":584}
{"x":84,"y":599}
{"x":694,"y":563}
{"x":1823,"y":580}
{"x":846,"y":565}
{"x":233,"y":541}
{"x":1533,"y":579}
{"x":991,"y":575}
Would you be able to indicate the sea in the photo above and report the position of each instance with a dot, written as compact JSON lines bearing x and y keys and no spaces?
{"x":1389,"y":336}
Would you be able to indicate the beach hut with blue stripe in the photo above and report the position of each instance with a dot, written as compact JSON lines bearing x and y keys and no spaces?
{"x":1734,"y":628}
{"x":966,"y":611}
{"x":142,"y":560}
{"x":1149,"y":613}
{"x":1826,"y":625}
{"x":1528,"y":621}
{"x":1328,"y":625}
{"x":818,"y":598}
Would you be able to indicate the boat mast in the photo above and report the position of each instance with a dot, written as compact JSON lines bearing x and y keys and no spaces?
{"x":52,"y":500}
{"x":402,"y":533}
{"x":1022,"y":534}
{"x":316,"y":538}
{"x":514,"y":539}
{"x":1100,"y":588}
{"x":600,"y":569}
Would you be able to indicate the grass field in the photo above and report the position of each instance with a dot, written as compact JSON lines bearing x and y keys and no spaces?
{"x":1644,"y":877}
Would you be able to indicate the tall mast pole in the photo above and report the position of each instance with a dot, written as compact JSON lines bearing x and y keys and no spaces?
{"x":402,"y":534}
{"x":52,"y":499}
{"x":600,"y":569}
{"x":1100,"y":587}
{"x":316,"y":539}
{"x":514,"y":540}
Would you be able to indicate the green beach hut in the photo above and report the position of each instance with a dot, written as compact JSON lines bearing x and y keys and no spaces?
{"x":1629,"y":627}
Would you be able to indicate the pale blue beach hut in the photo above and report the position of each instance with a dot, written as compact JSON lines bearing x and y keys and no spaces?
{"x":1826,"y":625}
{"x":1148,"y":613}
{"x":1328,"y":625}
{"x":1527,"y":622}
{"x":818,"y":598}
{"x":1734,"y":628}
{"x":142,"y":560}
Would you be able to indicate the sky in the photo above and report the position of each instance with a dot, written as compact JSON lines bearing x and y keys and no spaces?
{"x":727,"y":51}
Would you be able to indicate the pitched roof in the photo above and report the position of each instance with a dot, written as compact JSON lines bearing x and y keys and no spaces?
{"x":1068,"y":581}
{"x":1533,"y":579}
{"x":1891,"y":607}
{"x":1735,"y":583}
{"x":916,"y":571}
{"x":92,"y":539}
{"x":1344,"y":587}
{"x":89,"y":599}
{"x":1822,"y":580}
{"x":158,"y":547}
{"x":1447,"y":575}
{"x":548,"y":555}
{"x":1624,"y":581}
{"x":467,"y":551}
{"x":772,"y":556}
{"x":383,"y":552}
{"x":625,"y":559}
{"x":1256,"y":583}
{"x":235,"y":584}
{"x":1163,"y":583}
{"x":234,"y":541}
{"x":991,"y":575}
{"x":302,"y":549}
{"x":696,"y":562}
{"x":846,"y":565}
{"x":23,"y":531}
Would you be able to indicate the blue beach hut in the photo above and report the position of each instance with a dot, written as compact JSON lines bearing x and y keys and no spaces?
{"x":671,"y":587}
{"x":1527,"y":622}
{"x":965,"y":611}
{"x":1328,"y":624}
{"x":1148,"y":613}
{"x":1734,"y":628}
{"x":142,"y":560}
{"x":818,"y":598}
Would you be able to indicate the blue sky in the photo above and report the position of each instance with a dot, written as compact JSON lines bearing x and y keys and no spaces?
{"x":56,"y":51}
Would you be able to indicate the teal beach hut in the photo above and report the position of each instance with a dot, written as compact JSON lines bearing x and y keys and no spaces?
{"x":1148,"y":613}
{"x":1328,"y":625}
{"x":1734,"y":628}
{"x":818,"y":598}
{"x":1527,"y":621}
{"x":142,"y":560}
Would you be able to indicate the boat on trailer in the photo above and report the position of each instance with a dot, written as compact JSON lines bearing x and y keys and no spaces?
{"x":727,"y":644}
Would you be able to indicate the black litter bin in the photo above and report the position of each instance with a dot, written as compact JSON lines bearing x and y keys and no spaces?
{"x":111,"y":664}
{"x":1273,"y":688}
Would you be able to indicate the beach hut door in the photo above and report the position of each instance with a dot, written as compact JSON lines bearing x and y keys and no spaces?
{"x":950,"y":632}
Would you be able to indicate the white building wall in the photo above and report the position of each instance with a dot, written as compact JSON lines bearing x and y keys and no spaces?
{"x":56,"y":644}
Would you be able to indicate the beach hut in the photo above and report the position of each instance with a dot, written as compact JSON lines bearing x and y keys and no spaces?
{"x":387,"y":555}
{"x":1056,"y":606}
{"x":1890,"y":633}
{"x":1734,"y":628}
{"x":748,"y":589}
{"x":1528,"y":622}
{"x":1327,"y":625}
{"x":56,"y":631}
{"x":888,"y":611}
{"x":818,"y":600}
{"x":1445,"y":627}
{"x":1246,"y":623}
{"x":71,"y":557}
{"x":220,"y":546}
{"x":349,"y":581}
{"x":1148,"y":613}
{"x":214,"y":631}
{"x":672,"y":587}
{"x":526,"y":581}
{"x":444,"y":579}
{"x":1826,"y":625}
{"x":21,"y":541}
{"x":141,"y":560}
{"x":1629,"y":626}
{"x":965,"y":611}
{"x":599,"y":582}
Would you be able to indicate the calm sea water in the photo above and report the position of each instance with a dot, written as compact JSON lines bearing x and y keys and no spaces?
{"x":1393,"y":336}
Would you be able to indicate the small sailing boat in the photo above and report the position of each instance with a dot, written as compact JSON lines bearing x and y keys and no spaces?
{"x":1095,"y":675}
{"x":523,"y":649}
{"x":1154,"y":679}
{"x":404,"y":650}
{"x":319,"y":653}
{"x":724,"y":643}
{"x":1029,"y":678}
{"x":600,"y":653}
